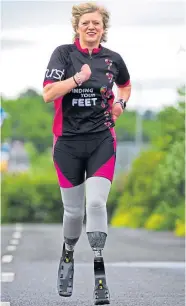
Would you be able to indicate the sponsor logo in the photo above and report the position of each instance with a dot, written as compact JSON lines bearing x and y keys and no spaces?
{"x":55,"y":74}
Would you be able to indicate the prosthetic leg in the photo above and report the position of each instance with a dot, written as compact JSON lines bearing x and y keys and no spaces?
{"x":66,"y":269}
{"x":101,"y":292}
{"x":73,"y":202}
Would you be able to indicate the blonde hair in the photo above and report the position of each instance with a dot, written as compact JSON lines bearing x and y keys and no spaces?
{"x":89,"y":7}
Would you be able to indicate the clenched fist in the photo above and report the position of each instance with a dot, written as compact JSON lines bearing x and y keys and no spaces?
{"x":85,"y":73}
{"x":116,"y":111}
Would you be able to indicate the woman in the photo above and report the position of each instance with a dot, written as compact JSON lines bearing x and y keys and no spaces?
{"x":79,"y":79}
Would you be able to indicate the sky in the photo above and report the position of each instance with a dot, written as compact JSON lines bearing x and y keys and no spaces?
{"x":149,"y":35}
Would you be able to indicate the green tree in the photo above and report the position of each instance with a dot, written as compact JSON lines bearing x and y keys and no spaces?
{"x":30,"y":119}
{"x":154,"y":192}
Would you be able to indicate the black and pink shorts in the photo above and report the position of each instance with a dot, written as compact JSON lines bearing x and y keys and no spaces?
{"x":77,"y":158}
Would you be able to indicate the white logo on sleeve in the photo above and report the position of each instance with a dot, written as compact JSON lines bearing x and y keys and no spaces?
{"x":55,"y":74}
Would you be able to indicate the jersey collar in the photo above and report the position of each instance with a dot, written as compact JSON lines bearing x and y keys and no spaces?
{"x":94,"y":51}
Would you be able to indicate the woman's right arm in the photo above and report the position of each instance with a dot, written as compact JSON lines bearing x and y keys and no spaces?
{"x":55,"y":84}
{"x":55,"y":90}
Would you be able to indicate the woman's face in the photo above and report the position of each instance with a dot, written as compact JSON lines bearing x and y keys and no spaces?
{"x":90,"y":27}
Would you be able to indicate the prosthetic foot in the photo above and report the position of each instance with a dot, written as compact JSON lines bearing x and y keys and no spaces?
{"x":65,"y":273}
{"x":101,"y":292}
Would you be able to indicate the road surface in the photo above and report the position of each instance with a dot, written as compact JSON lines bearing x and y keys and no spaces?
{"x":143,"y":268}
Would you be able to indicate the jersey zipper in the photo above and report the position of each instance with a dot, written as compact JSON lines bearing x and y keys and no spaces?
{"x":90,"y":58}
{"x":90,"y":62}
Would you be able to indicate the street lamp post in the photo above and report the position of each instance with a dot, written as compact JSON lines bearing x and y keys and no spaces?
{"x":139,"y":119}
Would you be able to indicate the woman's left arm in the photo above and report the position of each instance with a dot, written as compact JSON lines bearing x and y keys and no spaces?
{"x":124,"y":92}
{"x":123,"y":95}
{"x":123,"y":89}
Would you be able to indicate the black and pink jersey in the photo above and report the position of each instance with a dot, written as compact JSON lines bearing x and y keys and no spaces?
{"x":85,"y":109}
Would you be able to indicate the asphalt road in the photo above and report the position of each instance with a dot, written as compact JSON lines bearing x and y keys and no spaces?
{"x":143,"y":268}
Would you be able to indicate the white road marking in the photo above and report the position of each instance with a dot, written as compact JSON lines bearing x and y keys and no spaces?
{"x":11,"y":248}
{"x":7,"y":258}
{"x":19,"y":227}
{"x":146,"y":264}
{"x":14,"y":241}
{"x":4,"y":304}
{"x":155,"y":265}
{"x":16,"y":235}
{"x":7,"y":277}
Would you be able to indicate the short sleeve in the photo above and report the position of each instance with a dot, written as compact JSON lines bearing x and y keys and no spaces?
{"x":56,"y":68}
{"x":123,"y":77}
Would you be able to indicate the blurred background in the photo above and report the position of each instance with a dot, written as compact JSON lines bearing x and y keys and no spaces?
{"x":148,"y":189}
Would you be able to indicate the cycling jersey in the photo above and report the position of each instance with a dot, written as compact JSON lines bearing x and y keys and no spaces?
{"x":87,"y":108}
